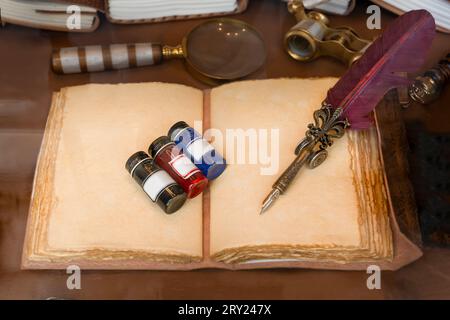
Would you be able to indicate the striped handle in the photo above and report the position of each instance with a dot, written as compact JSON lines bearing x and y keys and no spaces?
{"x":101,"y":58}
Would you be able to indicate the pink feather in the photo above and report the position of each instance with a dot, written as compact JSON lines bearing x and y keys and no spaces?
{"x":401,"y":48}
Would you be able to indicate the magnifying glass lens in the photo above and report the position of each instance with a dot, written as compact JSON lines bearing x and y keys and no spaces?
{"x":225,"y":49}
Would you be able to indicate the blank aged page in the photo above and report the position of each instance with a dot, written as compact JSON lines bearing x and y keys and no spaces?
{"x":97,"y":203}
{"x":320,"y":209}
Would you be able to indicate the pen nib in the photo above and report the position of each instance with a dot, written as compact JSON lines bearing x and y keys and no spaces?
{"x":270,"y":199}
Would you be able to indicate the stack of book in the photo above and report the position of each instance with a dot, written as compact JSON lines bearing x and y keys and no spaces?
{"x":59,"y":15}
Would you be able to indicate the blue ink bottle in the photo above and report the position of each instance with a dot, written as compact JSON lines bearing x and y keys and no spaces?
{"x":200,"y":151}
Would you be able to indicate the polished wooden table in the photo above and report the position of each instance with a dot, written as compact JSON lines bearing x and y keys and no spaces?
{"x":26,"y":85}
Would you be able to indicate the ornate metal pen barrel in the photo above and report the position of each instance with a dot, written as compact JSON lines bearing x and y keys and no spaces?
{"x":312,"y":149}
{"x":289,"y":174}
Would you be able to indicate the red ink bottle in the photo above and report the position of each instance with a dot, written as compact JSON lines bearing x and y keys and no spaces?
{"x":168,"y":157}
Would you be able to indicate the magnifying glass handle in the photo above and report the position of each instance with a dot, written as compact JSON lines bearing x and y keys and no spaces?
{"x":100,"y":58}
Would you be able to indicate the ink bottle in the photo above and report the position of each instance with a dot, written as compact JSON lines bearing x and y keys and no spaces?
{"x":200,"y":151}
{"x":167,"y":156}
{"x":156,"y":183}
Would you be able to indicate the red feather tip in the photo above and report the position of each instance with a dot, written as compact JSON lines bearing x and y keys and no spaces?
{"x":401,"y":48}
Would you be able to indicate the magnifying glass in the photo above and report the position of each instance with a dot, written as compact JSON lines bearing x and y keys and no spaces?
{"x":218,"y":49}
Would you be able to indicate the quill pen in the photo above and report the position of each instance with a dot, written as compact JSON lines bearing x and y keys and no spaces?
{"x":401,"y":48}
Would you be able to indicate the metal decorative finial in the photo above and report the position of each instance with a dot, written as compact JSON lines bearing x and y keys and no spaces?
{"x":428,"y":87}
{"x":326,"y":127}
{"x":311,"y":150}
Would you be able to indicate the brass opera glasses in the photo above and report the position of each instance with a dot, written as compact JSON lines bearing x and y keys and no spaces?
{"x":311,"y":38}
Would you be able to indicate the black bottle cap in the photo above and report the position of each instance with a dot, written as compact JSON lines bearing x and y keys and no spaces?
{"x":171,"y":198}
{"x":156,"y":145}
{"x":141,"y":166}
{"x":135,"y":159}
{"x":177,"y":127}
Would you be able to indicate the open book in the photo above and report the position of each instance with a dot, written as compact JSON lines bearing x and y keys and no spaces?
{"x":87,"y":210}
